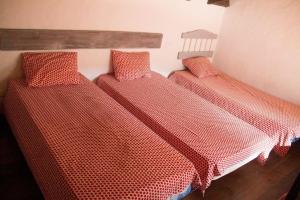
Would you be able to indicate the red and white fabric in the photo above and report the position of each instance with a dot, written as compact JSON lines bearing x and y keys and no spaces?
{"x":208,"y":136}
{"x":200,"y":66}
{"x":276,"y":117}
{"x":50,"y":68}
{"x":130,"y":65}
{"x":81,"y":144}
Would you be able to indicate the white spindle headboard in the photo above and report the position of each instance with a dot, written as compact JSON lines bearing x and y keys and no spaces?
{"x":197,"y":43}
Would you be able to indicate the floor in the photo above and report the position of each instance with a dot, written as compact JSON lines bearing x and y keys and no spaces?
{"x":252,"y":181}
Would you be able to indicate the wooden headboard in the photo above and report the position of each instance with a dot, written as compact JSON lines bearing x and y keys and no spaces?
{"x":44,"y":39}
{"x":197,"y":43}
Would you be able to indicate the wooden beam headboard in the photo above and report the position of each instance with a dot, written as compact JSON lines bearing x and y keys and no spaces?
{"x":44,"y":39}
{"x":197,"y":43}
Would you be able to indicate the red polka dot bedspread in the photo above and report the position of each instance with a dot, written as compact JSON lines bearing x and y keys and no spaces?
{"x":208,"y":136}
{"x":276,"y":117}
{"x":81,"y":144}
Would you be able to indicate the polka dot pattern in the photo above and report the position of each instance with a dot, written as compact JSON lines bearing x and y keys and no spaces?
{"x":50,"y":68}
{"x":81,"y":144}
{"x":278,"y":118}
{"x":200,"y":66}
{"x":208,"y":136}
{"x":130,"y":65}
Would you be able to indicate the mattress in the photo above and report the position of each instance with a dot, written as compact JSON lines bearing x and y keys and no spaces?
{"x":208,"y":136}
{"x":278,"y":118}
{"x":81,"y":144}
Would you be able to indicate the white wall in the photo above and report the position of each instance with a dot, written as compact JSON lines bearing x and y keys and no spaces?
{"x":170,"y":17}
{"x":259,"y":44}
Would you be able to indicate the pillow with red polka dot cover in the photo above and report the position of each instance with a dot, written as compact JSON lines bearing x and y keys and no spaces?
{"x":201,"y":67}
{"x":50,"y":68}
{"x":130,"y":65}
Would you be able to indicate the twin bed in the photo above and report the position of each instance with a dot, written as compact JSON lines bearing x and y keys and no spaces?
{"x":81,"y":144}
{"x":212,"y":139}
{"x":274,"y":116}
{"x":138,"y":135}
{"x":277,"y":118}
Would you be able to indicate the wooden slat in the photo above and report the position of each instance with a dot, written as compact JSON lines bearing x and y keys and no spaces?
{"x":203,"y":36}
{"x":44,"y":39}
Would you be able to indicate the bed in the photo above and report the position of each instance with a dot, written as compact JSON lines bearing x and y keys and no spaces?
{"x":81,"y":144}
{"x":278,"y":118}
{"x":214,"y":140}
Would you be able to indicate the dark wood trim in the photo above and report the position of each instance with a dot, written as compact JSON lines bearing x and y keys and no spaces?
{"x":224,"y":3}
{"x":44,"y":39}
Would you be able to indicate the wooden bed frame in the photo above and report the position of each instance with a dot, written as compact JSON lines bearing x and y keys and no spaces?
{"x":197,"y":43}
